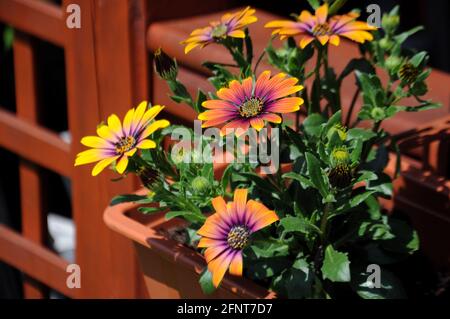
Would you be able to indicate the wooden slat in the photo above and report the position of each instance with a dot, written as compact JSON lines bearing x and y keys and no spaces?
{"x":34,"y":260}
{"x":36,"y":144}
{"x":39,"y":18}
{"x":34,"y":223}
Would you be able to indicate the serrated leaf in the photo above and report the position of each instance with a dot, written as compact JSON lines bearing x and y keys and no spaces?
{"x":336,"y":266}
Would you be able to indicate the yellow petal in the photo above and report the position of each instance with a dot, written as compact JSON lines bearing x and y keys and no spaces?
{"x":257,"y":124}
{"x":237,"y":34}
{"x":114,"y":124}
{"x":145,"y":144}
{"x":139,"y":113}
{"x":334,"y":40}
{"x":94,"y":141}
{"x":122,"y":164}
{"x":100,"y":166}
{"x":154,"y":126}
{"x":151,"y":113}
{"x":105,"y":132}
{"x":89,"y":156}
{"x":127,"y":121}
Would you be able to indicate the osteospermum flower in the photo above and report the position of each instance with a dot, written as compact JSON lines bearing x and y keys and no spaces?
{"x":227,"y":232}
{"x":117,"y":142}
{"x":309,"y":27}
{"x":252,"y":103}
{"x":230,"y":25}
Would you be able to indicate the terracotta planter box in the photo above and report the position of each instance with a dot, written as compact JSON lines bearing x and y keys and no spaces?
{"x":170,"y":269}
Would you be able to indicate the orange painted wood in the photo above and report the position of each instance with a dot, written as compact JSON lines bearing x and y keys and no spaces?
{"x":100,"y":82}
{"x":39,"y":18}
{"x":34,"y":260}
{"x":34,"y":221}
{"x":34,"y":143}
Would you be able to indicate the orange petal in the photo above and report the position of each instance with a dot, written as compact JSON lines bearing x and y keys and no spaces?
{"x":322,"y":13}
{"x":219,"y":266}
{"x":236,"y":264}
{"x":267,"y":219}
{"x":240,"y":198}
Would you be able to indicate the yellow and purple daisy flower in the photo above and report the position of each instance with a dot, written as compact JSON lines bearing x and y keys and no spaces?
{"x":309,"y":27}
{"x":230,"y":25}
{"x":252,"y":103}
{"x":227,"y":232}
{"x":117,"y":142}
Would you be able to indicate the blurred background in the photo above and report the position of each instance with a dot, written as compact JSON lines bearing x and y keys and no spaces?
{"x":51,"y":91}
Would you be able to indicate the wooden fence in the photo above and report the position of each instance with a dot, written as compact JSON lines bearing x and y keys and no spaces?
{"x":107,"y":67}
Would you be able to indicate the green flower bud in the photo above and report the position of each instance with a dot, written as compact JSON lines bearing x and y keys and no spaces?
{"x":165,"y":66}
{"x":340,"y":155}
{"x":200,"y":184}
{"x":390,"y":22}
{"x":378,"y":114}
{"x":340,"y":129}
{"x":386,"y":44}
{"x":392,"y":63}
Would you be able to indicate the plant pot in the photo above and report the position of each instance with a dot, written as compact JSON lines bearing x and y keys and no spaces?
{"x":170,"y":269}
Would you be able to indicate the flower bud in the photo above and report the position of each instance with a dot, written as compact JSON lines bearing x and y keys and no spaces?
{"x":390,"y":22}
{"x":340,"y":129}
{"x":378,"y":114}
{"x":165,"y":66}
{"x":340,"y":155}
{"x":341,"y":175}
{"x":408,"y":73}
{"x":147,"y":175}
{"x":386,"y":44}
{"x":392,"y":63}
{"x":200,"y":184}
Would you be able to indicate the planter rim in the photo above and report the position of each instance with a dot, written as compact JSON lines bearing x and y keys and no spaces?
{"x":116,"y":219}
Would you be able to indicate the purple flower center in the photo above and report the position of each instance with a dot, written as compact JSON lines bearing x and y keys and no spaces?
{"x":238,"y":237}
{"x":321,"y":29}
{"x":125,"y":144}
{"x":251,"y":107}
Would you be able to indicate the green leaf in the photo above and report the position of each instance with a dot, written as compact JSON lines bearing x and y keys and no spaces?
{"x":312,"y":124}
{"x":406,"y":240}
{"x":391,"y":287}
{"x":304,"y":181}
{"x":315,"y":172}
{"x":127,"y":198}
{"x":206,"y":283}
{"x":336,"y":266}
{"x":314,"y":3}
{"x":382,"y":185}
{"x":296,"y":224}
{"x":189,"y":216}
{"x":296,"y":282}
{"x":201,"y":97}
{"x":400,"y":38}
{"x":150,"y":210}
{"x":360,"y":64}
{"x":358,"y":199}
{"x":360,"y":133}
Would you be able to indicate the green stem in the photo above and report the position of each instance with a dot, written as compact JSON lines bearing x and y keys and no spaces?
{"x":259,"y":61}
{"x":352,"y":106}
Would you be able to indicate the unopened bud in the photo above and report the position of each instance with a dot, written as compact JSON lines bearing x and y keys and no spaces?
{"x":165,"y":66}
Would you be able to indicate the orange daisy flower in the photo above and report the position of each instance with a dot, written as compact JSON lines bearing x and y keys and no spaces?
{"x":230,"y":25}
{"x":252,"y":103}
{"x":310,"y":27}
{"x":227,"y":232}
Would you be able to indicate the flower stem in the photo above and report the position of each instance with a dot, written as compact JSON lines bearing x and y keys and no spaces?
{"x":352,"y":106}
